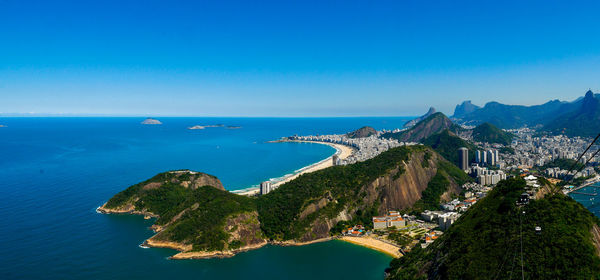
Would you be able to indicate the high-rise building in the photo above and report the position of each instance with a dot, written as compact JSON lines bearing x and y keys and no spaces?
{"x":478,"y":156}
{"x":491,"y":160}
{"x":265,"y":187}
{"x":336,"y":160}
{"x":463,"y":158}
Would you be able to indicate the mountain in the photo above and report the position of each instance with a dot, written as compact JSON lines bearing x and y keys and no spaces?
{"x":447,"y":143}
{"x":362,"y":132}
{"x":396,"y":179}
{"x":583,"y":121}
{"x":207,"y":221}
{"x":577,"y":118}
{"x":415,"y":121}
{"x":494,"y":235}
{"x":512,"y":116}
{"x":464,"y":108}
{"x":431,"y":125}
{"x":488,"y":133}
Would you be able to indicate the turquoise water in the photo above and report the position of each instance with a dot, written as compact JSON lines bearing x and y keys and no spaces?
{"x":55,"y":172}
{"x":592,"y":203}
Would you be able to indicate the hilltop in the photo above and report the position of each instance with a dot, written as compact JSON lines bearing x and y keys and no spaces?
{"x":206,"y":221}
{"x":362,"y":132}
{"x":489,"y":133}
{"x":485,"y":241}
{"x":431,"y":125}
{"x":411,"y":123}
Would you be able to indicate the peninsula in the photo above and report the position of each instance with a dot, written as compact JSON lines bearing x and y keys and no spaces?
{"x":195,"y":215}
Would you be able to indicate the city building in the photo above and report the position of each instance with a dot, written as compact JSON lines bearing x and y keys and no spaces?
{"x":463,"y":158}
{"x":265,"y":187}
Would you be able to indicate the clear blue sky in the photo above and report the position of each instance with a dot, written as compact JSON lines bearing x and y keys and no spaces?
{"x":278,"y":58}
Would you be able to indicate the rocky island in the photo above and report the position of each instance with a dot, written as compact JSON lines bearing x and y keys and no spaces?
{"x":151,"y":121}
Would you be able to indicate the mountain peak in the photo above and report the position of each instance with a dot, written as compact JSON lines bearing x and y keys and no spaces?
{"x":411,"y":123}
{"x":589,"y":94}
{"x":465,"y":108}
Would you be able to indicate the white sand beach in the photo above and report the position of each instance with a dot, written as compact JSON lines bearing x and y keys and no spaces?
{"x":342,"y":152}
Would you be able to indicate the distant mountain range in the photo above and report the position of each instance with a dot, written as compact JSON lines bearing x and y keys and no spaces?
{"x":578,"y":118}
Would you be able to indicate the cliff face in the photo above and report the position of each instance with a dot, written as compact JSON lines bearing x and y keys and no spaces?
{"x":399,"y":188}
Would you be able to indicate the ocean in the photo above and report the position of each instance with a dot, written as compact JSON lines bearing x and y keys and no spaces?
{"x":55,"y":172}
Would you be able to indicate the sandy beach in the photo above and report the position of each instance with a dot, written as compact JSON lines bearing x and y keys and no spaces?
{"x":375,"y":244}
{"x":342,"y":152}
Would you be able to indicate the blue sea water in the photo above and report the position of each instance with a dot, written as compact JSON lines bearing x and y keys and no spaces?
{"x":54,"y":172}
{"x":590,"y":202}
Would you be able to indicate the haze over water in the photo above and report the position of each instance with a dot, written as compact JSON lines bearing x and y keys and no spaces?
{"x":56,"y":171}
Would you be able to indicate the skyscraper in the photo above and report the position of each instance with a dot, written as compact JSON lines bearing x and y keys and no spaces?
{"x":463,"y":158}
{"x":265,"y":187}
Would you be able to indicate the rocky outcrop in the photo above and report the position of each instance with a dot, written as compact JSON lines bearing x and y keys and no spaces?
{"x":412,"y":122}
{"x":151,"y":121}
{"x":398,"y":189}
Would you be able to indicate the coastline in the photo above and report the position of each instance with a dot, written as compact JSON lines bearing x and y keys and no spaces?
{"x":374,"y":244}
{"x":342,"y":151}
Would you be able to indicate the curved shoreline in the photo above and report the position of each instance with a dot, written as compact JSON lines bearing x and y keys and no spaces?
{"x":374,"y":244}
{"x":342,"y":151}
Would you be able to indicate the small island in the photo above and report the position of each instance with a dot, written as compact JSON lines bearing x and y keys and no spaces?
{"x":151,"y":121}
{"x":1,"y":125}
{"x":195,"y":127}
{"x":205,"y":126}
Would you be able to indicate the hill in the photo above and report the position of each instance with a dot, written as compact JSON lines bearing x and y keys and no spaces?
{"x":464,"y":109}
{"x":431,"y":125}
{"x":395,"y":179}
{"x":207,"y":221}
{"x":584,"y":121}
{"x":362,"y":132}
{"x":415,"y":121}
{"x":485,"y":242}
{"x":487,"y":132}
{"x":193,"y":211}
{"x":447,"y":143}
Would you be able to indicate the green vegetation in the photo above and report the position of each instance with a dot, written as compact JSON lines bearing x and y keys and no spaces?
{"x":204,"y":226}
{"x":339,"y":185}
{"x":205,"y":210}
{"x":399,"y":237}
{"x":430,"y":197}
{"x":485,"y":241}
{"x":431,"y":125}
{"x":562,"y":163}
{"x":447,"y":143}
{"x":487,"y":132}
{"x":506,"y":150}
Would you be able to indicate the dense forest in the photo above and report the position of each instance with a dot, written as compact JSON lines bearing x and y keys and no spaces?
{"x":485,"y":243}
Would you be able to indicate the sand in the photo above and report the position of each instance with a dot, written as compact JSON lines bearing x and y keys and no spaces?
{"x":375,"y":244}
